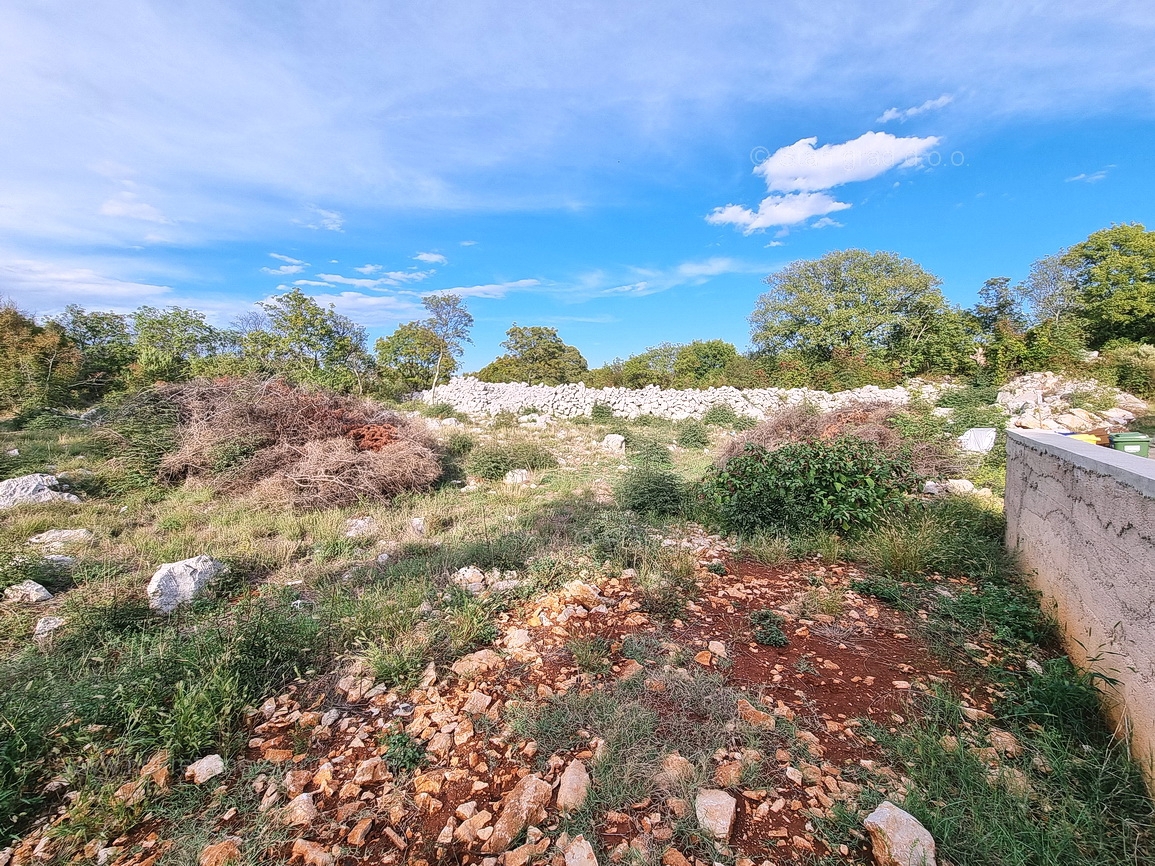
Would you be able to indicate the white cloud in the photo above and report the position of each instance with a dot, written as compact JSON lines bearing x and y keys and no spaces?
{"x":127,"y":204}
{"x":797,"y":175}
{"x":1092,"y":177}
{"x":468,"y":243}
{"x":288,"y":259}
{"x":431,"y":258}
{"x":902,"y":114}
{"x":370,"y":310}
{"x":776,"y":210}
{"x":802,"y":167}
{"x":490,"y":290}
{"x":291,"y":266}
{"x":389,"y":278}
{"x":329,"y":220}
{"x":825,"y":222}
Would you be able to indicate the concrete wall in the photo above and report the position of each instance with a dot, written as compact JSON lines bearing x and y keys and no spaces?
{"x":1082,"y":520}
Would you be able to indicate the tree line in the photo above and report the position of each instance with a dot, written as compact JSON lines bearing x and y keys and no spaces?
{"x":847,"y":319}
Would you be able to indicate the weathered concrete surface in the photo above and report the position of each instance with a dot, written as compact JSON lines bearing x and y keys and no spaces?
{"x":1082,"y":520}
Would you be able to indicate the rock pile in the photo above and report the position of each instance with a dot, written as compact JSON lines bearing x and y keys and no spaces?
{"x":1043,"y":401}
{"x":478,"y":398}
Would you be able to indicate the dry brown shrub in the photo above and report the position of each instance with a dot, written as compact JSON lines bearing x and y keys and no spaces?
{"x":869,"y":422}
{"x":308,"y":448}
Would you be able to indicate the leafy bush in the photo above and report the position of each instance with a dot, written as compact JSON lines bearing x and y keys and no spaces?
{"x":493,"y":461}
{"x":883,"y":588}
{"x":767,"y":627}
{"x":968,"y":397}
{"x":457,"y":445}
{"x":1134,"y":368}
{"x":403,"y":753}
{"x":602,"y":413}
{"x":845,"y":484}
{"x":651,"y":491}
{"x":720,"y":415}
{"x":590,"y":654}
{"x":693,"y":434}
{"x":441,"y":410}
{"x":49,"y":419}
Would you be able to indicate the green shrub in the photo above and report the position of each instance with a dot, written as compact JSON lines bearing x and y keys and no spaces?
{"x":457,"y":445}
{"x":646,"y":451}
{"x":50,"y":419}
{"x":693,"y":434}
{"x":1134,"y":368}
{"x":651,"y":491}
{"x":744,"y":422}
{"x":602,"y":413}
{"x":441,"y":410}
{"x":504,"y":420}
{"x":767,"y":627}
{"x":883,"y":588}
{"x":720,"y":415}
{"x":403,"y":753}
{"x":493,"y":461}
{"x":845,"y":484}
{"x":617,"y":536}
{"x":969,"y":397}
{"x":590,"y":654}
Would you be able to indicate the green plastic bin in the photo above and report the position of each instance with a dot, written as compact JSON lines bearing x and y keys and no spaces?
{"x":1138,"y":444}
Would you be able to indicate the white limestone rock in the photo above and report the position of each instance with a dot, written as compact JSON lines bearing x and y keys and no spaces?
{"x":35,"y":489}
{"x":27,"y":592}
{"x":177,"y":583}
{"x":897,"y":838}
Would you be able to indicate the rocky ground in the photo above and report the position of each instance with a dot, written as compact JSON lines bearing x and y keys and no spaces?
{"x":754,"y":746}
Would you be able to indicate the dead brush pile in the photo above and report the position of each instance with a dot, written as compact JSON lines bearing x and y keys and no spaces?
{"x":279,"y":443}
{"x":868,"y":422}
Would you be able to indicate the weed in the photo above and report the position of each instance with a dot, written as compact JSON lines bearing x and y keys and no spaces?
{"x":602,"y":413}
{"x":718,"y":568}
{"x":403,"y":754}
{"x":617,"y":536}
{"x":819,"y":601}
{"x":591,"y":654}
{"x":883,"y":588}
{"x":720,"y":415}
{"x":504,"y":420}
{"x":457,"y":445}
{"x":492,"y":462}
{"x":767,"y":627}
{"x":647,"y":452}
{"x":765,"y":548}
{"x":693,"y":434}
{"x":648,"y":490}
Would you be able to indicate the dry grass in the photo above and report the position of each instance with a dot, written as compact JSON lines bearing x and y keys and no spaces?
{"x":869,"y":422}
{"x":311,"y":449}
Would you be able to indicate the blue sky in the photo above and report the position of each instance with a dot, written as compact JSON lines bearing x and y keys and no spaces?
{"x":627,"y":173}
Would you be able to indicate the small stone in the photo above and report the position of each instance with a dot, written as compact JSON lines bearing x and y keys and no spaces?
{"x":524,"y":805}
{"x":208,"y":767}
{"x":177,"y":583}
{"x":674,"y":857}
{"x":1005,"y":743}
{"x":517,"y":476}
{"x":312,"y":853}
{"x":58,"y":539}
{"x":27,"y":592}
{"x":360,"y":832}
{"x":46,"y":625}
{"x":614,"y":443}
{"x":675,"y":769}
{"x":751,"y":715}
{"x":573,"y":788}
{"x":715,"y":811}
{"x":480,"y":662}
{"x":300,"y":812}
{"x":477,"y":703}
{"x":34,"y":489}
{"x":222,"y":853}
{"x":897,"y":838}
{"x":579,"y":852}
{"x":717,"y":648}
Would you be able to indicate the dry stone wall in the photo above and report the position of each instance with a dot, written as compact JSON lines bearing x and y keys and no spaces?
{"x":1082,"y":520}
{"x":477,"y":398}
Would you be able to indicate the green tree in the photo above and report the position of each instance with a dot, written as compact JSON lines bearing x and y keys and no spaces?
{"x":168,"y":341}
{"x":703,"y":363}
{"x":38,"y":364}
{"x":1050,"y":291}
{"x":105,"y":343}
{"x":309,"y":343}
{"x":854,"y":304}
{"x":655,"y":366}
{"x":536,"y":355}
{"x":449,"y":322}
{"x":410,"y":357}
{"x":1114,"y":273}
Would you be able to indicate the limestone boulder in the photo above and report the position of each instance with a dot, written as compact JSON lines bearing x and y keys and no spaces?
{"x":715,"y":810}
{"x":573,"y":788}
{"x":27,"y":592}
{"x":897,"y":838}
{"x":36,"y":489}
{"x":524,"y":805}
{"x":177,"y":583}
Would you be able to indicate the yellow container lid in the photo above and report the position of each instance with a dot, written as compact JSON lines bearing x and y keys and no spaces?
{"x":1084,"y":437}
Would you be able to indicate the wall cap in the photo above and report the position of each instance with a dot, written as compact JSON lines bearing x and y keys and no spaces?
{"x":1136,"y":472}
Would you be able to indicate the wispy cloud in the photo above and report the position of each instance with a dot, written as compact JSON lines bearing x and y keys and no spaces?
{"x":291,"y":266}
{"x":904,"y":114}
{"x":798,"y":175}
{"x":1090,"y":177}
{"x":491,"y":290}
{"x":329,"y":220}
{"x":128,"y":204}
{"x":431,"y":258}
{"x":389,"y":278}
